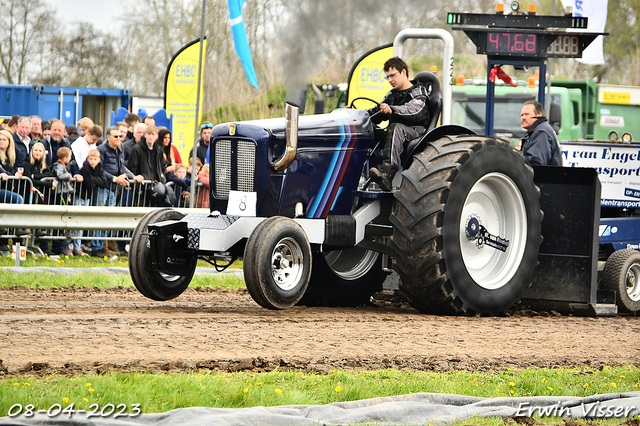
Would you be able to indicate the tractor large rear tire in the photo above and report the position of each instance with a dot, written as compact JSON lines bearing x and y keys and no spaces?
{"x":467,"y":225}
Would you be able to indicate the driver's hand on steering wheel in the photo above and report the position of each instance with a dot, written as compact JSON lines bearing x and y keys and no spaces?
{"x":385,"y":109}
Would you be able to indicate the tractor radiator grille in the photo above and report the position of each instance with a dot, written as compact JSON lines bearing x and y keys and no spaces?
{"x":234,"y":166}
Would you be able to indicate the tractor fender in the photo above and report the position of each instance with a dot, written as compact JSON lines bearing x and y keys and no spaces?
{"x":418,"y":145}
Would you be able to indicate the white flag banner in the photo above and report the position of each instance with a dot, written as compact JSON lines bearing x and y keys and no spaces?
{"x":596,"y":11}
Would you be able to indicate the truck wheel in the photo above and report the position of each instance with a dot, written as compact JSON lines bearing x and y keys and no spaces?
{"x":467,"y":225}
{"x":277,"y":263}
{"x":344,"y":278}
{"x":622,"y":274}
{"x":149,"y":281}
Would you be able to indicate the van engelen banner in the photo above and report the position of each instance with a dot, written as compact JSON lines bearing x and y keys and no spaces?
{"x":618,"y":168}
{"x":180,"y":96}
{"x":367,"y":78}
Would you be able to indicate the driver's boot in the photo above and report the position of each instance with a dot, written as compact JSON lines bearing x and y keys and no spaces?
{"x":383,"y":175}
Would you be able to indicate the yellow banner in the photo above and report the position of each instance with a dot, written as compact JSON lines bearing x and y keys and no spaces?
{"x":367,"y":77}
{"x":181,"y":91}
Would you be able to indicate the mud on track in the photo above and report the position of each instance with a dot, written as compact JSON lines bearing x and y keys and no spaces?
{"x":95,"y":330}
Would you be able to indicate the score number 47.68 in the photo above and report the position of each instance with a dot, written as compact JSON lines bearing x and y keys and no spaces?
{"x":512,"y":43}
{"x":526,"y":44}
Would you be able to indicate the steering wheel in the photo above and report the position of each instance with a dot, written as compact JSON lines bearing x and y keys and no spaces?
{"x":352,"y":104}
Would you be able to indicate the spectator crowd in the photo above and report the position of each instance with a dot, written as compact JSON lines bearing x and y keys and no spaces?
{"x":84,"y":165}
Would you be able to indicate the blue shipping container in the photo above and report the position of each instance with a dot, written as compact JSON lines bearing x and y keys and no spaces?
{"x":66,"y":103}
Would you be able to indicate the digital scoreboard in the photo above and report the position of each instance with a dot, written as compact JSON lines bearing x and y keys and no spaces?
{"x":524,"y":36}
{"x":504,"y":43}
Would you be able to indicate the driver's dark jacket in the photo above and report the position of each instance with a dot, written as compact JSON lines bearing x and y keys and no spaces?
{"x":409,"y":107}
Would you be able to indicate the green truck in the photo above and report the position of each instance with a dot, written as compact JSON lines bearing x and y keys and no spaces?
{"x":580,"y":110}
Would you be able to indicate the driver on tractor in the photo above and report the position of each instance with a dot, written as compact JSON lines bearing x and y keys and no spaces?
{"x":406,"y":108}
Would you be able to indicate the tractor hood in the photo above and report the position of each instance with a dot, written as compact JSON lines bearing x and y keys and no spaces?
{"x":319,"y":171}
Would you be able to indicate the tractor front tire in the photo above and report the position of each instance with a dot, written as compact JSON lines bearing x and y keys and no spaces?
{"x":148,"y":280}
{"x":467,"y":227}
{"x":277,"y":263}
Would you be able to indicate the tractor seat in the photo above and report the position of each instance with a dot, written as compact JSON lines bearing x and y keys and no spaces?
{"x":431,"y":82}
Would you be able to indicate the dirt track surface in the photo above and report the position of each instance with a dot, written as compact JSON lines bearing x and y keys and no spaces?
{"x":94,"y":330}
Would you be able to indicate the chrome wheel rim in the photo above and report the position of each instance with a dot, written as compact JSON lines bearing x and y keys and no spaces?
{"x":287,"y":264}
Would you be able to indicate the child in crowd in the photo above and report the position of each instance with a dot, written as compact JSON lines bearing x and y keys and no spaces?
{"x":182,"y":184}
{"x":64,"y":193}
{"x":203,"y":191}
{"x":190,"y":166}
{"x":61,"y":171}
{"x":35,"y":168}
{"x":93,"y":177}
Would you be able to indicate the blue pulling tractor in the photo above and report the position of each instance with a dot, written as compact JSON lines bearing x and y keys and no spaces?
{"x":464,"y":227}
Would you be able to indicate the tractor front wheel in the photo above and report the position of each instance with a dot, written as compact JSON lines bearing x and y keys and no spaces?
{"x":148,"y":280}
{"x":277,"y":263}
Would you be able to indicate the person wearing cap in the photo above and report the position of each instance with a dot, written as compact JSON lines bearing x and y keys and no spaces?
{"x":203,"y":143}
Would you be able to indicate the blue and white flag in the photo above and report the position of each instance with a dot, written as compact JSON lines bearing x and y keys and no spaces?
{"x":596,"y":11}
{"x":240,"y":40}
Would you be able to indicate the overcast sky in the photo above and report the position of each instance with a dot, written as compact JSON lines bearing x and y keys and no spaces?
{"x":102,"y":13}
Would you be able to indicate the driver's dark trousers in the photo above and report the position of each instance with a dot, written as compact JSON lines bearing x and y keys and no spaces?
{"x":397,"y":135}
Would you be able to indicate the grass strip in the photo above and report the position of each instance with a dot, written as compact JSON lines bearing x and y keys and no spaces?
{"x":47,"y":280}
{"x":162,"y":392}
{"x":84,"y":262}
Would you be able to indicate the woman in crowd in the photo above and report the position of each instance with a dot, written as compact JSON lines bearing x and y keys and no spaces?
{"x":172,"y":156}
{"x":7,"y":162}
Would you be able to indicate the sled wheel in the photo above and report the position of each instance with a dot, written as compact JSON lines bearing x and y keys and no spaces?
{"x":277,"y":263}
{"x":622,"y":274}
{"x":466,"y":226}
{"x":344,"y":278}
{"x":149,"y":281}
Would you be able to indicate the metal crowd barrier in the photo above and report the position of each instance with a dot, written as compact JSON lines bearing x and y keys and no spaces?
{"x":50,"y":214}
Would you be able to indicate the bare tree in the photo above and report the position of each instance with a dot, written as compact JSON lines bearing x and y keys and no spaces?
{"x":21,"y":30}
{"x":152,"y":32}
{"x":91,"y":59}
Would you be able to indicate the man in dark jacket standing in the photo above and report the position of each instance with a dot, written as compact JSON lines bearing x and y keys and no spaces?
{"x":146,"y":161}
{"x":56,"y":140}
{"x":406,"y":106}
{"x":540,"y":144}
{"x":22,"y":142}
